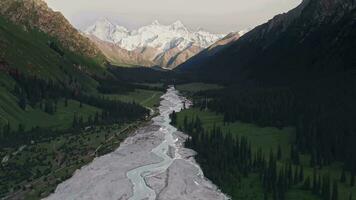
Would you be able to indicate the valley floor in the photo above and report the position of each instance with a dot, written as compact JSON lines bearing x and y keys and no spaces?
{"x":33,"y":171}
{"x":151,"y":164}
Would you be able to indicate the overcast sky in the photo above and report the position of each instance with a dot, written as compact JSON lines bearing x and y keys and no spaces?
{"x":220,"y":16}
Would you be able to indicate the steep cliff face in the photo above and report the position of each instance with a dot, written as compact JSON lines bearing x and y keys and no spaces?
{"x":35,"y":14}
{"x":315,"y":39}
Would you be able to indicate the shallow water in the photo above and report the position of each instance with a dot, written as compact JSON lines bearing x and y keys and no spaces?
{"x":171,"y":102}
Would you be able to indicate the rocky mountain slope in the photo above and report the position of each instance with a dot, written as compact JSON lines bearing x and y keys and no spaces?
{"x":154,"y":44}
{"x":36,"y":41}
{"x":313,"y":40}
{"x":35,"y":14}
{"x":214,"y":48}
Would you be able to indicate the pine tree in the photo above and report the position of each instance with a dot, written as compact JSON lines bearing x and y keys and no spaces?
{"x":75,"y":121}
{"x":265,"y":196}
{"x":296,"y":175}
{"x":325,"y":189}
{"x":295,"y":155}
{"x":96,"y":118}
{"x":318,"y":185}
{"x":352,"y":179}
{"x":335,"y":193}
{"x":301,"y":173}
{"x":80,"y":122}
{"x":289,"y":175}
{"x":343,"y":176}
{"x":90,"y":120}
{"x":55,"y":106}
{"x":21,"y":129}
{"x":7,"y":129}
{"x":174,"y":118}
{"x":315,"y":182}
{"x":49,"y":107}
{"x":185,"y":123}
{"x":312,"y":160}
{"x":23,"y":101}
{"x":279,"y":153}
{"x":306,"y":185}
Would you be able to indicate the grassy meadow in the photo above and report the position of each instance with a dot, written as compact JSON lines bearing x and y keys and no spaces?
{"x":147,"y":98}
{"x":267,"y":138}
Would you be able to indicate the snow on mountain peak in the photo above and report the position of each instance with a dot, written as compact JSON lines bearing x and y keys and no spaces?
{"x":156,"y":22}
{"x":178,"y":23}
{"x":104,"y":20}
{"x":102,"y":29}
{"x":179,"y":27}
{"x":155,"y":35}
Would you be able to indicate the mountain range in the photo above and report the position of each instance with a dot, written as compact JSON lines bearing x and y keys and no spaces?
{"x":155,"y":44}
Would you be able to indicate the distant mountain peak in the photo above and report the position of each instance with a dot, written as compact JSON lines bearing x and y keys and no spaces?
{"x":157,"y":36}
{"x":160,"y":39}
{"x":156,"y":22}
{"x":178,"y":24}
{"x":104,"y":20}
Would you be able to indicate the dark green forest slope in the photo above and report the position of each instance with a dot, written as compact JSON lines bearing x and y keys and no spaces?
{"x":314,"y":40}
{"x":296,"y":70}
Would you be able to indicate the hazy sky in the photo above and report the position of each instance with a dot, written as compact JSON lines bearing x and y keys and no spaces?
{"x":214,"y":15}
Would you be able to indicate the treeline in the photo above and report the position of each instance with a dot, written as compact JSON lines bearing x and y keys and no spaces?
{"x":226,"y":159}
{"x":323,"y":113}
{"x":112,"y":86}
{"x":45,"y":94}
{"x":147,"y":75}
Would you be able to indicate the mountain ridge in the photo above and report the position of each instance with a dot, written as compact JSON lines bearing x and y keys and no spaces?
{"x":50,"y":22}
{"x":37,"y":41}
{"x":315,"y":37}
{"x":166,"y":43}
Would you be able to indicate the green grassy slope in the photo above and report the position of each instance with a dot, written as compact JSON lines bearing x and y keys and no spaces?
{"x":30,"y":53}
{"x":266,"y":138}
{"x":32,"y":117}
{"x":147,"y":98}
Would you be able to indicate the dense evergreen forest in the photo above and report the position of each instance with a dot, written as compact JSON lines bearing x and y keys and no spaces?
{"x":148,"y":75}
{"x":112,"y":86}
{"x":227,"y":160}
{"x":323,"y":113}
{"x":47,"y":94}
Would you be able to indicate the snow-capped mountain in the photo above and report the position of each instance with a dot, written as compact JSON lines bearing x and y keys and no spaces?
{"x":157,"y":44}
